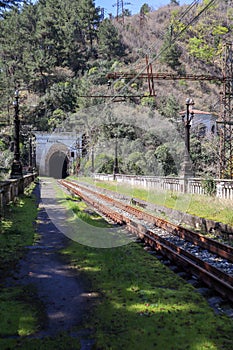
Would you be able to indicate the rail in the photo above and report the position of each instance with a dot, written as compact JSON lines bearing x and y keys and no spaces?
{"x":214,"y":277}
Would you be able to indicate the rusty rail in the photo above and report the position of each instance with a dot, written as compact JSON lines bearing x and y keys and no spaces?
{"x":212,"y":276}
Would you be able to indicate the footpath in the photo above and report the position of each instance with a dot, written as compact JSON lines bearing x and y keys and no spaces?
{"x":60,"y":290}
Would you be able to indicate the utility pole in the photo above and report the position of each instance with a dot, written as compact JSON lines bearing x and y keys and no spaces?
{"x":120,"y":9}
{"x":187,"y":118}
{"x":16,"y":170}
{"x":226,"y":119}
{"x":116,"y":166}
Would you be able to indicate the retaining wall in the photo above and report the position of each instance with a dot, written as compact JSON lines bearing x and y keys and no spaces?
{"x":12,"y":188}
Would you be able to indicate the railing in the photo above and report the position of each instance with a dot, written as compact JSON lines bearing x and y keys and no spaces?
{"x":224,"y":188}
{"x":12,"y":188}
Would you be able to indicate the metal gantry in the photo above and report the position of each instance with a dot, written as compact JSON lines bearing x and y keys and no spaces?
{"x":225,"y":121}
{"x":120,"y":9}
{"x":226,"y":118}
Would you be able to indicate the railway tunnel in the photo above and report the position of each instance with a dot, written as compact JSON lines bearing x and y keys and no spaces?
{"x":53,"y":152}
{"x":58,"y":165}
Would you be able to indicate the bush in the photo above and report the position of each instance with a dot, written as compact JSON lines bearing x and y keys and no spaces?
{"x":209,"y":186}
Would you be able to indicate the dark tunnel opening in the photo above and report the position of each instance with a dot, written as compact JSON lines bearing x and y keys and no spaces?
{"x":58,"y":165}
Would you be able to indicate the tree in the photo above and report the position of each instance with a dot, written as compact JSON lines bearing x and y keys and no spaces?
{"x":165,"y":160}
{"x":135,"y":163}
{"x":169,"y":107}
{"x":170,"y":51}
{"x":145,"y":9}
{"x":89,"y":18}
{"x":12,"y":47}
{"x":110,"y":45}
{"x":127,"y":13}
{"x":174,"y":2}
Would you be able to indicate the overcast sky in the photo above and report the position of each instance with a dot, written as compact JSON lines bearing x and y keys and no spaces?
{"x":135,"y":4}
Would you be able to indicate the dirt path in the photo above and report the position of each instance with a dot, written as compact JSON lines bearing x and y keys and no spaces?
{"x":62,"y":293}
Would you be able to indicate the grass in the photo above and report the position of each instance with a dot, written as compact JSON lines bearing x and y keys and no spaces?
{"x":17,"y":230}
{"x":19,"y":315}
{"x":143,"y":305}
{"x":208,"y":207}
{"x":61,"y":342}
{"x":81,"y":210}
{"x":84,"y":213}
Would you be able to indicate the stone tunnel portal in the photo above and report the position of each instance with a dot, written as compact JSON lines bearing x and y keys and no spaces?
{"x":58,"y":165}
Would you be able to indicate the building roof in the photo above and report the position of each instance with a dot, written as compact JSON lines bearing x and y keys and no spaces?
{"x":198,"y":112}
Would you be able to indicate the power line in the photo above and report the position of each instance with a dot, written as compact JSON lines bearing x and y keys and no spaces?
{"x":173,"y":40}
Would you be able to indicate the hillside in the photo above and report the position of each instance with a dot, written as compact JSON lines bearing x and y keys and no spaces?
{"x":59,"y":57}
{"x":200,"y":49}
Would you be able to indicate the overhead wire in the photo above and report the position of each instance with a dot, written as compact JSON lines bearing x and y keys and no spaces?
{"x":189,"y":8}
{"x":183,"y":14}
{"x":173,"y":40}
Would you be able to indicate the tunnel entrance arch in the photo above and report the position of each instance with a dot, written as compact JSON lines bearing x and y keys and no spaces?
{"x":57,"y":161}
{"x":60,"y":148}
{"x":58,"y":165}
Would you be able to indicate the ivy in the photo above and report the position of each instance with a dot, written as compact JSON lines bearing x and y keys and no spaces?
{"x":209,"y":186}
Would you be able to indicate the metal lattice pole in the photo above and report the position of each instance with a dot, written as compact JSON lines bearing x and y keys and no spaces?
{"x":226,"y":119}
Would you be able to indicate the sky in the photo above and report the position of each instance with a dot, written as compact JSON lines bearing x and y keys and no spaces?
{"x":135,"y":4}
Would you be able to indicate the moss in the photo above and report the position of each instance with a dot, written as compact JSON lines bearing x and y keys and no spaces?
{"x":143,"y":305}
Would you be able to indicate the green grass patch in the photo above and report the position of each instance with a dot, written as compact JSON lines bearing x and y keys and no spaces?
{"x":18,"y":309}
{"x":84,"y":213}
{"x":208,"y":207}
{"x":19,"y":314}
{"x":17,"y":229}
{"x":143,"y":305}
{"x":62,"y":342}
{"x":81,"y":209}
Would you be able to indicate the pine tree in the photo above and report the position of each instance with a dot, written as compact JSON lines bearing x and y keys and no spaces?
{"x":170,"y":52}
{"x":89,"y":19}
{"x":110,"y":45}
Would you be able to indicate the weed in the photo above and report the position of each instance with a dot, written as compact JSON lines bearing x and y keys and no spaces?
{"x":199,"y":205}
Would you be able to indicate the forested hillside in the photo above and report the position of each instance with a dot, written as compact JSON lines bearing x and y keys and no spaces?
{"x":59,"y":54}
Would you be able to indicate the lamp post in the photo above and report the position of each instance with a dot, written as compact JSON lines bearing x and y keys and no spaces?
{"x":115,"y":166}
{"x":16,"y":169}
{"x":31,"y":154}
{"x":34,"y":153}
{"x":187,"y":166}
{"x":92,"y":160}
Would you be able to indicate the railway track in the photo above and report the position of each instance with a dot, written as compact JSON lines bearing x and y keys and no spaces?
{"x":206,"y":258}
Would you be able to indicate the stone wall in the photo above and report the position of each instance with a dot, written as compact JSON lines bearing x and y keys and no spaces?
{"x":12,"y":188}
